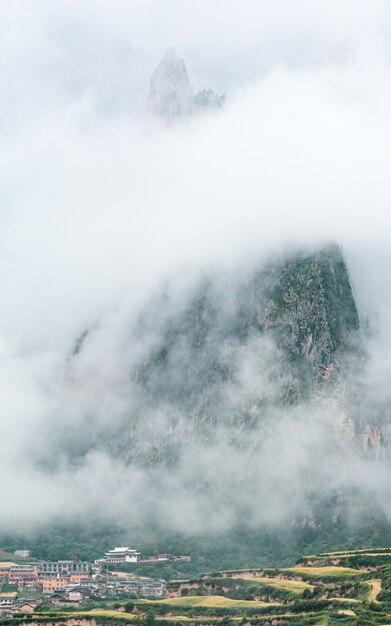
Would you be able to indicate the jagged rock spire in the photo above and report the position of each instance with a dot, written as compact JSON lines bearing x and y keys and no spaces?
{"x":171,"y":94}
{"x":171,"y":97}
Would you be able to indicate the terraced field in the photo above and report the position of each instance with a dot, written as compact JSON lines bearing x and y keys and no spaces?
{"x":93,"y":613}
{"x":321,"y":572}
{"x":318,"y":591}
{"x":296,"y":586}
{"x":375,"y":586}
{"x":213,"y":601}
{"x":309,"y":593}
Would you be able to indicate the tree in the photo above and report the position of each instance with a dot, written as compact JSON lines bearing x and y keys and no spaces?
{"x":150,"y":619}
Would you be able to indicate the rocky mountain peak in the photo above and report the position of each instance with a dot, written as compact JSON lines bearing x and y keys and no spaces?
{"x":171,"y":94}
{"x":171,"y":97}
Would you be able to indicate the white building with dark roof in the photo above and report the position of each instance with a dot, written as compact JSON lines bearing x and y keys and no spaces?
{"x":122,"y":554}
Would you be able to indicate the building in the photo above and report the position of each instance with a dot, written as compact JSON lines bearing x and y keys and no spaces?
{"x":77,"y":578}
{"x":23,"y":574}
{"x":75,"y":595}
{"x":7,"y":603}
{"x":48,"y":569}
{"x":69,"y":598}
{"x":154,"y":588}
{"x":5,"y":567}
{"x":164,"y":557}
{"x":8,"y":600}
{"x":51,"y":585}
{"x":146,"y":587}
{"x":23,"y":553}
{"x":123,"y":554}
{"x":27,"y":607}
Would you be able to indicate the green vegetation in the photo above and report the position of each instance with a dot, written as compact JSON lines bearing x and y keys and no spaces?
{"x":239,"y":548}
{"x":6,"y":588}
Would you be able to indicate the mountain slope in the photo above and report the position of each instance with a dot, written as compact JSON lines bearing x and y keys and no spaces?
{"x":241,"y":345}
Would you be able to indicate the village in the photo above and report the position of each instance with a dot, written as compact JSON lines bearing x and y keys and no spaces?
{"x":71,"y":583}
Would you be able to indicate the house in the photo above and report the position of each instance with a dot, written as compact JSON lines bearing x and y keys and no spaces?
{"x":26,"y":608}
{"x":27,"y":602}
{"x":75,"y":595}
{"x":59,"y":599}
{"x":71,"y":598}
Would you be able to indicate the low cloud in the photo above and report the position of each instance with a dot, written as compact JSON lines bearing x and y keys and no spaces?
{"x":97,"y":215}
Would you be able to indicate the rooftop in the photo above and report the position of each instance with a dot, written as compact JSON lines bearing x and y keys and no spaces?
{"x":122,"y":549}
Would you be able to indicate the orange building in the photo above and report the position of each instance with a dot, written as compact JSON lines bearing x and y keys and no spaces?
{"x":23,"y":574}
{"x":5,"y":567}
{"x":77,"y":578}
{"x":51,"y":585}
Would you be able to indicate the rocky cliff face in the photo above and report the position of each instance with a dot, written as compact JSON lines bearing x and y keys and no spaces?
{"x":239,"y":349}
{"x":247,"y":393}
{"x":171,"y":97}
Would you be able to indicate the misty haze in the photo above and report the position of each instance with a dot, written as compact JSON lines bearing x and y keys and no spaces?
{"x":195,"y":330}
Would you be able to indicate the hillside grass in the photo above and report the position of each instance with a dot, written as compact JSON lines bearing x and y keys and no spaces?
{"x":375,"y":585}
{"x":362,"y":552}
{"x":325,"y":571}
{"x":296,"y":586}
{"x":92,"y":613}
{"x":211,"y":601}
{"x":346,"y":612}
